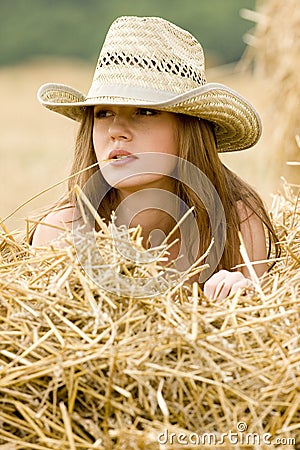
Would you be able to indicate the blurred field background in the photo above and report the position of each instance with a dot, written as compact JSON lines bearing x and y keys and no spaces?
{"x":59,"y":41}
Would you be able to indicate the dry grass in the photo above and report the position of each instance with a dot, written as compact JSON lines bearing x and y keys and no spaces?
{"x":82,"y":368}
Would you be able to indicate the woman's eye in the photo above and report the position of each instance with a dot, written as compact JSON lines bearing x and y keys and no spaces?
{"x":147,"y":112}
{"x":102,"y":113}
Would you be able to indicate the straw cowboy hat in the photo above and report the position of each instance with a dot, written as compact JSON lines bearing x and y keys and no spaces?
{"x":148,"y":61}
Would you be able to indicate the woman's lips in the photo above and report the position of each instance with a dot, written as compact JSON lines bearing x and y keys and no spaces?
{"x":120,"y":157}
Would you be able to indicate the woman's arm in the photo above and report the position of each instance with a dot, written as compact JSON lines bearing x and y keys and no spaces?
{"x":254,"y":237}
{"x":224,"y":283}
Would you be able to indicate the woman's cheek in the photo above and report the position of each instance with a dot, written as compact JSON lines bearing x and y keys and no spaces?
{"x":99,"y":146}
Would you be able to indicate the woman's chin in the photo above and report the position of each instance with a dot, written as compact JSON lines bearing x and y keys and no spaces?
{"x":134,"y":183}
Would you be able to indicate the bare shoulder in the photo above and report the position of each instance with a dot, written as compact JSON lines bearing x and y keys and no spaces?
{"x":254,"y":236}
{"x":244,"y":211}
{"x":53,"y":225}
{"x":248,"y":218}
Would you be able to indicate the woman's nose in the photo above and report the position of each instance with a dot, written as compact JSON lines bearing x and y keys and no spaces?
{"x":120,"y":128}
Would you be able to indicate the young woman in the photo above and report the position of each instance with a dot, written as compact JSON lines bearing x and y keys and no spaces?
{"x":149,"y":119}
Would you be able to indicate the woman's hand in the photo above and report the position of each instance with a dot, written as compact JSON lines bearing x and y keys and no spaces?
{"x":224,"y":283}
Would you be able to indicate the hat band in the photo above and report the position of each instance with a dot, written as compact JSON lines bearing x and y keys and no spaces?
{"x":144,"y":94}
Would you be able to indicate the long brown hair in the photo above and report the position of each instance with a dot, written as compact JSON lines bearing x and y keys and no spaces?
{"x":196,"y":144}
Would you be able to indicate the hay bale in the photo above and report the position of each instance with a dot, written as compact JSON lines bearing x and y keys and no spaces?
{"x":274,"y":52}
{"x":81,"y":368}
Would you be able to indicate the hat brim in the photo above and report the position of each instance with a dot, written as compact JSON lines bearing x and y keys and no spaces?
{"x":237,"y":124}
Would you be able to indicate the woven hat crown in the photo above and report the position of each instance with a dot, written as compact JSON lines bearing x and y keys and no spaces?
{"x":150,"y":53}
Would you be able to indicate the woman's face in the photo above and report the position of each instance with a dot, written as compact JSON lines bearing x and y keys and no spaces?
{"x":141,"y":144}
